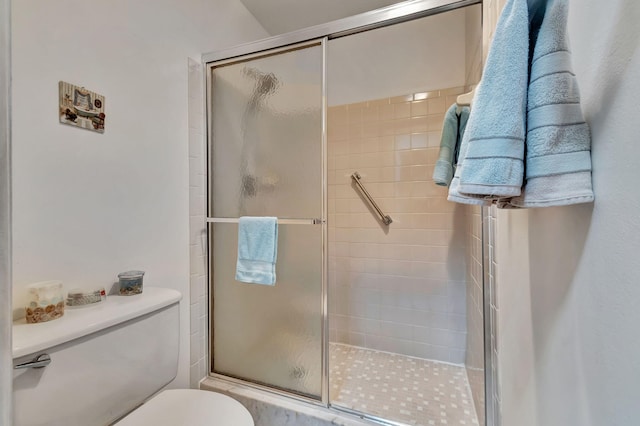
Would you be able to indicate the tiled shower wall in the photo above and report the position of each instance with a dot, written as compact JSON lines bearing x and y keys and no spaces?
{"x":399,"y":289}
{"x":197,"y":226}
{"x":474,"y":362}
{"x":489,"y":228}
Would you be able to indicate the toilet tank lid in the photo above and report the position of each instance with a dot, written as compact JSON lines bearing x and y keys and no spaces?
{"x":75,"y":323}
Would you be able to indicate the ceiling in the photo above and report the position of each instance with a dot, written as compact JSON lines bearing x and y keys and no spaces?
{"x":283,"y":16}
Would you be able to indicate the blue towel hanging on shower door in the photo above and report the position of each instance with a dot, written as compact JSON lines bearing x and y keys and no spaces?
{"x":257,"y":250}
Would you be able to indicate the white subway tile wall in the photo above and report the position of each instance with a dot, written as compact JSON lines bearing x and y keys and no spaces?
{"x":197,"y":225}
{"x":400,"y":289}
{"x":475,"y":306}
{"x":491,"y":263}
{"x":474,"y":362}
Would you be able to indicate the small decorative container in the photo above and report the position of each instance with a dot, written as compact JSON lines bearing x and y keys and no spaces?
{"x":46,"y":302}
{"x":130,"y":282}
{"x":77,"y":297}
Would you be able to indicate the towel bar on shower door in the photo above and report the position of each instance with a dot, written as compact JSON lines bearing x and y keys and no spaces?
{"x":385,"y":218}
{"x":280,"y":221}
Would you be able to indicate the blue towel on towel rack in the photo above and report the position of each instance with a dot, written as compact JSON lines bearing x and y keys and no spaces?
{"x":455,"y":121}
{"x":257,"y":250}
{"x":558,"y":159}
{"x":557,"y":167}
{"x":491,"y":161}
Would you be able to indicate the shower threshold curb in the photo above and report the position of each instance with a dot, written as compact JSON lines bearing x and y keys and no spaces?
{"x":269,"y":409}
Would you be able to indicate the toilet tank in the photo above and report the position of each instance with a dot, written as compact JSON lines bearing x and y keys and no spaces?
{"x":105,"y":360}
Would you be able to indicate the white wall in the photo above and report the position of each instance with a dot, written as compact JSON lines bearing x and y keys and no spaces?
{"x":418,"y":56}
{"x":306,"y":13}
{"x":568,"y":277}
{"x":6,"y":373}
{"x":86,"y":205}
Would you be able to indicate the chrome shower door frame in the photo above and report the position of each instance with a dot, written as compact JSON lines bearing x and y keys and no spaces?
{"x":321,"y":34}
{"x":210,"y":66}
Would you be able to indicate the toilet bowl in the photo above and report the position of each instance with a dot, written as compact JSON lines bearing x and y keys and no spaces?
{"x":102,"y":364}
{"x":189,"y":407}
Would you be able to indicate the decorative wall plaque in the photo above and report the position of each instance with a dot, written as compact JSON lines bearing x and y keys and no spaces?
{"x":81,"y":107}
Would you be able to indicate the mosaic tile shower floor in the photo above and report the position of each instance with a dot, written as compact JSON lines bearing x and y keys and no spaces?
{"x":399,"y":388}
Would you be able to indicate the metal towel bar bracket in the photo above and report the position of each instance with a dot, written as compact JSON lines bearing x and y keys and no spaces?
{"x":385,"y":218}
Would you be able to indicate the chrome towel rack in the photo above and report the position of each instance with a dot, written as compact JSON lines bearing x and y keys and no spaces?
{"x":280,"y":221}
{"x":385,"y":218}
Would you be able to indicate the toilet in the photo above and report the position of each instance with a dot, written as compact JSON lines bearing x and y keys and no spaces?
{"x":107,"y":364}
{"x":189,"y":407}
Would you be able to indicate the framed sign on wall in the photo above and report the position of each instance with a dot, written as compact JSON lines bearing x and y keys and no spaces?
{"x":81,"y":107}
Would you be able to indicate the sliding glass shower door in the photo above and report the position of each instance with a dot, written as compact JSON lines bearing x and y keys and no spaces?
{"x":266,"y":159}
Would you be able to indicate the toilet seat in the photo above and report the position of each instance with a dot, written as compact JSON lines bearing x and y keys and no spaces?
{"x":189,"y":407}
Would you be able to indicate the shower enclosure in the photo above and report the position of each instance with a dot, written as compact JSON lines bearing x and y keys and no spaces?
{"x":378,"y":304}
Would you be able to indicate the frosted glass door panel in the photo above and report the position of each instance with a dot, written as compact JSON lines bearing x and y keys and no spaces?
{"x":270,"y":335}
{"x":266,"y":160}
{"x":267,"y":134}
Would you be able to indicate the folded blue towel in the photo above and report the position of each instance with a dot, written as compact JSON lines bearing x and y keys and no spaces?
{"x":454,"y":186}
{"x":257,"y":250}
{"x":493,"y":166}
{"x":557,"y":145}
{"x":455,"y":121}
{"x":558,"y":160}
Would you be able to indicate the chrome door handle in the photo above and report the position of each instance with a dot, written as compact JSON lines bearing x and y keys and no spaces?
{"x":40,"y":361}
